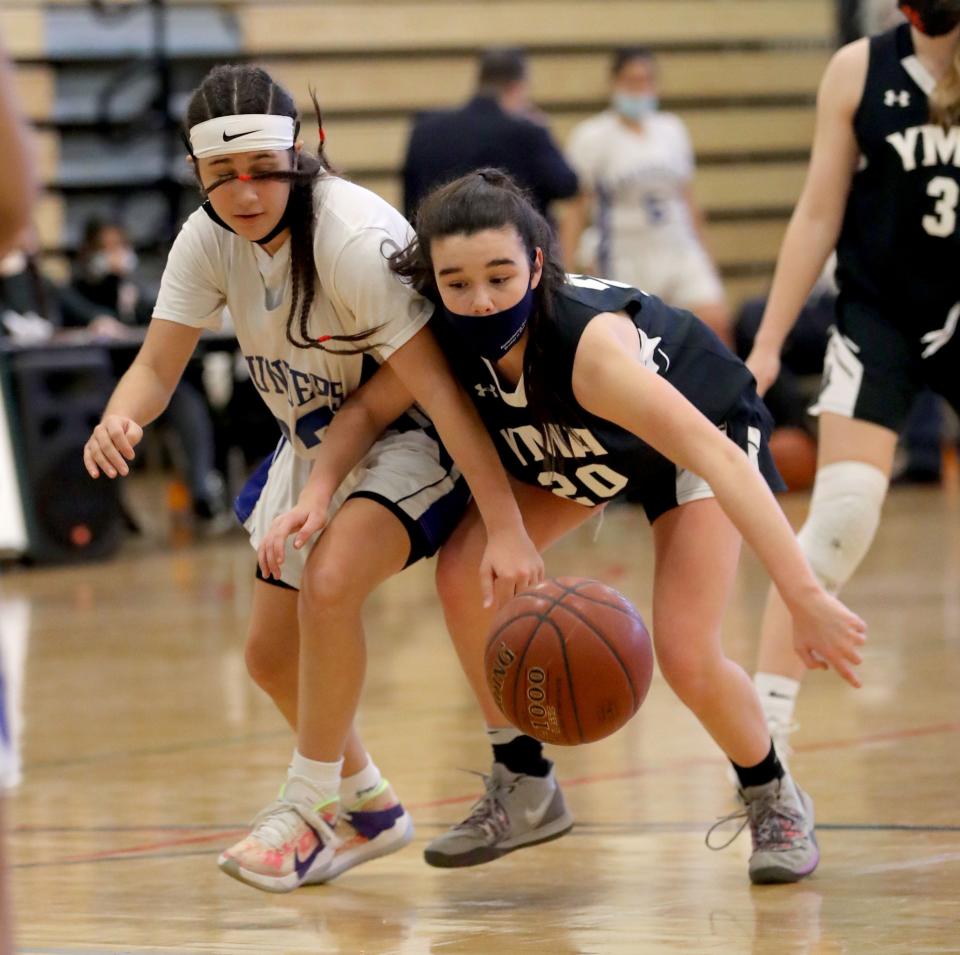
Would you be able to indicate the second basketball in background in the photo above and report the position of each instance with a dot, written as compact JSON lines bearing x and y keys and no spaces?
{"x":569,"y":661}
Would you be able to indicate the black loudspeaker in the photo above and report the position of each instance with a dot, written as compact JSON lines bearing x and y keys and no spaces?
{"x":60,"y":394}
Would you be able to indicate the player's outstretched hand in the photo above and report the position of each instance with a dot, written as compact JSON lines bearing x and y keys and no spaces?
{"x":827,"y":634}
{"x":111,"y":446}
{"x":304,"y":520}
{"x":764,"y":365}
{"x":511,"y":563}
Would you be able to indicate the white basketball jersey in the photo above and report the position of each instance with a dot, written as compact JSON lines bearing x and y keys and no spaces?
{"x":210,"y":268}
{"x":639,"y":180}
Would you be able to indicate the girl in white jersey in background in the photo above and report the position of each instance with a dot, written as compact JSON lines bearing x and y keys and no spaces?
{"x":635,"y":165}
{"x":297,"y":255}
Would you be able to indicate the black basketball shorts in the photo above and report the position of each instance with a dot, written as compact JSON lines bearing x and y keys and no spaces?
{"x":874,"y":367}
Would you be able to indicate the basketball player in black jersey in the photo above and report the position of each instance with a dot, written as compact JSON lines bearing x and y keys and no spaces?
{"x":884,"y":188}
{"x":588,"y":388}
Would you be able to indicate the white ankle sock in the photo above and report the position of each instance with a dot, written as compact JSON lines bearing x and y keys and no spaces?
{"x":778,"y":696}
{"x":499,"y":736}
{"x":324,"y":776}
{"x":354,"y":788}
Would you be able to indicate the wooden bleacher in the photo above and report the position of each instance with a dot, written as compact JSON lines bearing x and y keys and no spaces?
{"x":21,"y":29}
{"x":741,"y":73}
{"x":35,"y":91}
{"x":368,"y":27}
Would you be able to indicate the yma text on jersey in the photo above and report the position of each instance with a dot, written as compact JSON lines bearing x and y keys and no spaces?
{"x":927,"y":145}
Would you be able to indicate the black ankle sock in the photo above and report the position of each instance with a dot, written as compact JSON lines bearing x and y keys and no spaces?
{"x":764,"y":772}
{"x":522,"y":755}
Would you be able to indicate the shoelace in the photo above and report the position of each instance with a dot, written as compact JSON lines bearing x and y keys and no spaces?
{"x":487,"y":813}
{"x":277,"y":824}
{"x":774,"y":825}
{"x":739,"y":814}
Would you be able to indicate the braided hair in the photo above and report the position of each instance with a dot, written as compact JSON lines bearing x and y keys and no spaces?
{"x":235,"y":90}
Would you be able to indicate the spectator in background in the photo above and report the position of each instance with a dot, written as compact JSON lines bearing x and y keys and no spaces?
{"x":33,"y":308}
{"x":105,"y":273}
{"x":27,"y":296}
{"x":498,"y":128}
{"x":635,"y":165}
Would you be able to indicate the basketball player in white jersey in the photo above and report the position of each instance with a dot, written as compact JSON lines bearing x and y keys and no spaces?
{"x":296,"y":254}
{"x":636,"y":165}
{"x":883,"y":188}
{"x":18,"y":187}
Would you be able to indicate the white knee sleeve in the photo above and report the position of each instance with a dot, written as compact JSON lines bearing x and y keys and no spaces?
{"x":844,"y":514}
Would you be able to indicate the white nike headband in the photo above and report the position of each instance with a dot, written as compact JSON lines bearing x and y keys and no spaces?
{"x":241,"y":133}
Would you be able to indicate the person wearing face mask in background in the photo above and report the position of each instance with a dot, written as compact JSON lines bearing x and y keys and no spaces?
{"x":498,"y":127}
{"x":34,"y":309}
{"x":635,"y":165}
{"x":106,"y":273}
{"x":32,"y":306}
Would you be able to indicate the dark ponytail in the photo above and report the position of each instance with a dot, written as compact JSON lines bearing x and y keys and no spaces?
{"x":232,"y":91}
{"x":490,"y":199}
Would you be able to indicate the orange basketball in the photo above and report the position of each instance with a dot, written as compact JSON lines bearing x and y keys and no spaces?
{"x":570,"y":661}
{"x":795,"y":454}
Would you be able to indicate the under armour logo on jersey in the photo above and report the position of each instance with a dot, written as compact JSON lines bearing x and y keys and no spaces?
{"x":649,"y":349}
{"x":483,"y":390}
{"x":895,"y":98}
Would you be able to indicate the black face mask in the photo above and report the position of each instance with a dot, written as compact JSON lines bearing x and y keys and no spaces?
{"x":494,"y":335}
{"x":931,"y":17}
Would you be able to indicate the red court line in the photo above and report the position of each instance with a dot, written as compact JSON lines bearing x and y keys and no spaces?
{"x":225,"y":834}
{"x":879,"y":737}
{"x":154,"y":846}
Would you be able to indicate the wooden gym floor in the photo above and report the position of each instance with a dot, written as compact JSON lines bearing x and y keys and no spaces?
{"x":147,"y":749}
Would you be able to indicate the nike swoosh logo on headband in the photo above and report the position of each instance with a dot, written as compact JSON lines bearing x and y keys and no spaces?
{"x":228,"y":139}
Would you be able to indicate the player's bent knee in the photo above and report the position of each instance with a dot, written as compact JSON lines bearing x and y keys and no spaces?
{"x":689,"y":675}
{"x":325,"y":587}
{"x":265,"y":660}
{"x":843,"y":519}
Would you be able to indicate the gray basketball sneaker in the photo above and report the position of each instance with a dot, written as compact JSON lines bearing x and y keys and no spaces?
{"x":780,"y":816}
{"x":514,"y":812}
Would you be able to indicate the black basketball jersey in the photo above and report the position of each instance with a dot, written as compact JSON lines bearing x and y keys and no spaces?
{"x":596,"y":459}
{"x":900,"y":243}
